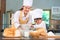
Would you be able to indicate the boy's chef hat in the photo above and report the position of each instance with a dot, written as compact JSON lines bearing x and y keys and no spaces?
{"x":27,"y":2}
{"x":37,"y":13}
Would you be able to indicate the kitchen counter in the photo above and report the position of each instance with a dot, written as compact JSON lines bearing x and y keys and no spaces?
{"x":18,"y":38}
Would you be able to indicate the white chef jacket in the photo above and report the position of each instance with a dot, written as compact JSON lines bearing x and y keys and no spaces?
{"x":16,"y":18}
{"x":41,"y":25}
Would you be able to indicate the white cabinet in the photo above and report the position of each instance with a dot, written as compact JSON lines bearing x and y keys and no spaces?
{"x":55,"y":13}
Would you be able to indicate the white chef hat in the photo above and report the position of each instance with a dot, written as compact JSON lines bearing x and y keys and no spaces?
{"x":37,"y":13}
{"x":27,"y":2}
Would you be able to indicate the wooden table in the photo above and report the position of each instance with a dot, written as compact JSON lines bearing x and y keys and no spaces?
{"x":18,"y":38}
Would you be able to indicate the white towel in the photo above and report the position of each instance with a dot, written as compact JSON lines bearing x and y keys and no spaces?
{"x":51,"y":34}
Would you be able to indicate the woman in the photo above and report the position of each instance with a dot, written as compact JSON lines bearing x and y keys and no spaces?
{"x":20,"y":17}
{"x":23,"y":16}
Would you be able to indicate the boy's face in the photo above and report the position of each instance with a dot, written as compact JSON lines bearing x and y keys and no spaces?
{"x":38,"y":20}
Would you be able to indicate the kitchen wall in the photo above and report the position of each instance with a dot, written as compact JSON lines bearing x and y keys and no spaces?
{"x":44,"y":4}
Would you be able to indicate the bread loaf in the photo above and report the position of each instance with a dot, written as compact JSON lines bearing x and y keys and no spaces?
{"x":40,"y":32}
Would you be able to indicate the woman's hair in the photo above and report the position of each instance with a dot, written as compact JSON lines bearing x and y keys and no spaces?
{"x":21,"y":8}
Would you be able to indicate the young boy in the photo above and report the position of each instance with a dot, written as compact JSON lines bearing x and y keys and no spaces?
{"x":40,"y":26}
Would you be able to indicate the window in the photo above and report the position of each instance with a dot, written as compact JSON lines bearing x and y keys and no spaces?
{"x":46,"y":16}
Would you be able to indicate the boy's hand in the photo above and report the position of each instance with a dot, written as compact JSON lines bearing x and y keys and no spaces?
{"x":32,"y":26}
